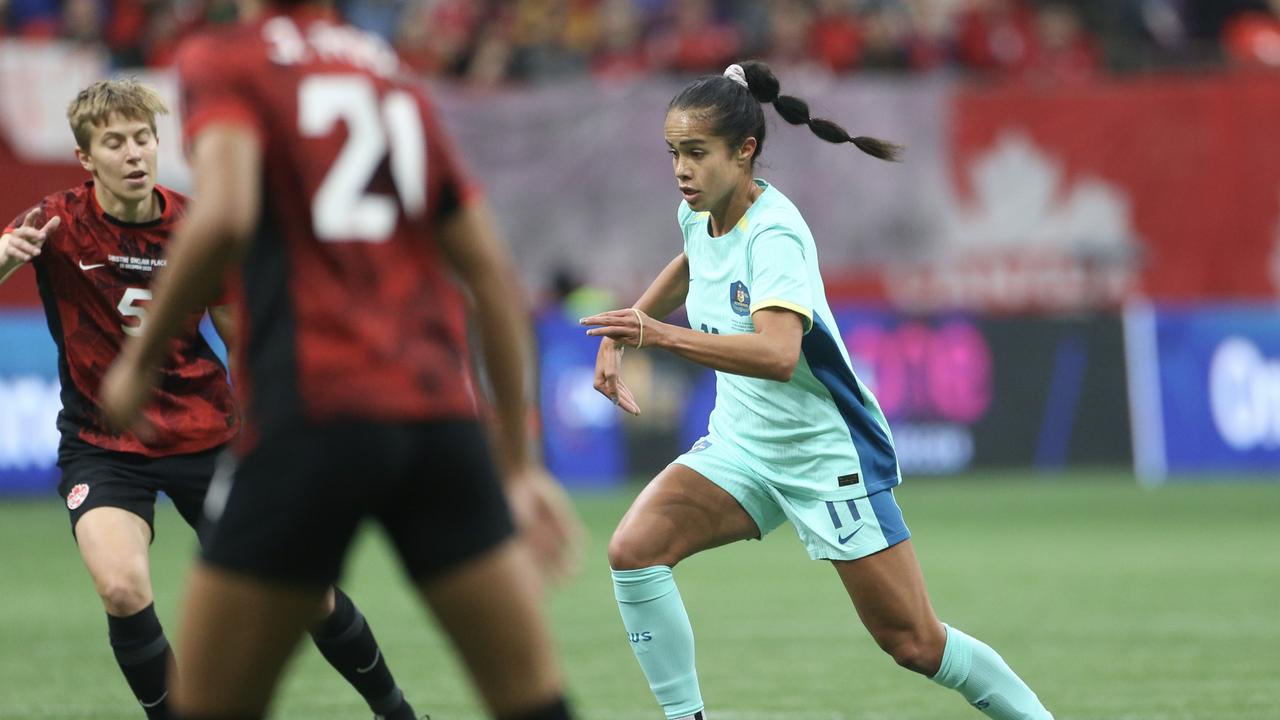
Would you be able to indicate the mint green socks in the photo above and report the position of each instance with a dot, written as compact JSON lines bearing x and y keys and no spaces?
{"x":658,"y":629}
{"x":986,"y":681}
{"x":660,"y":635}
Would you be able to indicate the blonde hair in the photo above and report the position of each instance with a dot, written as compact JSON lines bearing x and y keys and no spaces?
{"x":96,"y":103}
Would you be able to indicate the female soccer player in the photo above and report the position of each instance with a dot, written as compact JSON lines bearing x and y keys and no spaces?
{"x":794,"y":435}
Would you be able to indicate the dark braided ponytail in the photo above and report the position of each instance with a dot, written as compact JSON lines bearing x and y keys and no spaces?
{"x":735,"y":114}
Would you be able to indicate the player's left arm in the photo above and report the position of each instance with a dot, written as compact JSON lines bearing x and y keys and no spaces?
{"x":477,"y":254}
{"x":226,"y":163}
{"x":781,"y":317}
{"x":223,"y":318}
{"x":770,"y":353}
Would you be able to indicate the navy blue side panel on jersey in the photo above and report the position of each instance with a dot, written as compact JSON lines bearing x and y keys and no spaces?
{"x":875,"y":449}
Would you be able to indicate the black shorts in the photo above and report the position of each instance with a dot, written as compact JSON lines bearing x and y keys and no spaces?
{"x":94,"y":477}
{"x":290,"y":508}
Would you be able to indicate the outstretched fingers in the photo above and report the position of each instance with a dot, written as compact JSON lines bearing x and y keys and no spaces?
{"x":621,"y":325}
{"x":625,"y":400}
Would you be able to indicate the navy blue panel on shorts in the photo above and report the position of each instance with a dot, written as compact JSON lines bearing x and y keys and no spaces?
{"x":289,"y":509}
{"x":93,"y":477}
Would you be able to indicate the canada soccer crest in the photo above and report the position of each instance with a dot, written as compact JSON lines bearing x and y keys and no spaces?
{"x":740,"y":298}
{"x":76,"y":497}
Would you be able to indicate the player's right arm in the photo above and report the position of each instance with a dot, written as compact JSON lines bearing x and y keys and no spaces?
{"x":665,"y":294}
{"x":22,"y":244}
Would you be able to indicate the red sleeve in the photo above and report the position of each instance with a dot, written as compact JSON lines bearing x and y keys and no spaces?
{"x":213,"y":86}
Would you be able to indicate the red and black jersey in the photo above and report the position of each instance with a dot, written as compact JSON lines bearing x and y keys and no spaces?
{"x":349,"y":309}
{"x":94,"y":275}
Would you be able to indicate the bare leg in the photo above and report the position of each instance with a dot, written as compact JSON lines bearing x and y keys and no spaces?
{"x":679,"y":513}
{"x":114,"y":544}
{"x":237,"y":634}
{"x":888,"y":591}
{"x":490,"y":609}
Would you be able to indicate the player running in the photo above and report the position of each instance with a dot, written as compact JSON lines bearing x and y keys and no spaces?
{"x":95,"y":249}
{"x":323,"y":172}
{"x":794,"y":435}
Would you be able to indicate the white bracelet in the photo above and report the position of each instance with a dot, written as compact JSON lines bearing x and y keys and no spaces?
{"x":640,"y":322}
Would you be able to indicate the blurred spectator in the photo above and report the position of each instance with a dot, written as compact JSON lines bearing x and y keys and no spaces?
{"x":995,"y":35}
{"x":1252,"y":37}
{"x":549,"y":38}
{"x":887,"y":34}
{"x":575,"y":298}
{"x":435,"y":38}
{"x":790,"y":22}
{"x":619,"y":48}
{"x":491,"y":61}
{"x":697,"y":41}
{"x":1061,"y":50}
{"x":82,"y":22}
{"x":35,"y":18}
{"x":835,"y":36}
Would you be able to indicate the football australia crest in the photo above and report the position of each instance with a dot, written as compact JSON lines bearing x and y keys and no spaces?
{"x":740,"y":298}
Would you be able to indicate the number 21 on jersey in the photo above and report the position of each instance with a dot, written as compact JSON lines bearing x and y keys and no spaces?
{"x":343,"y":209}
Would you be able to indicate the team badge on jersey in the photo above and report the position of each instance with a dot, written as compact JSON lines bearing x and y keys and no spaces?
{"x":76,"y":497}
{"x":740,"y":298}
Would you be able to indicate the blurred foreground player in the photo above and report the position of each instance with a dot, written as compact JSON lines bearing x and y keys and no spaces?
{"x":325,"y":174}
{"x":94,"y":249}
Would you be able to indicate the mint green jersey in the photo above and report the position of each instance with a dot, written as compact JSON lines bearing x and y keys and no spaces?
{"x":821,"y":433}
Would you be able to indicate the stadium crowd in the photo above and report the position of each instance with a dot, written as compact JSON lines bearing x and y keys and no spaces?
{"x":487,"y":42}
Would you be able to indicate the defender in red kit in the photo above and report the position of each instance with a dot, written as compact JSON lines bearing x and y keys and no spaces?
{"x":323,"y":174}
{"x":95,"y":249}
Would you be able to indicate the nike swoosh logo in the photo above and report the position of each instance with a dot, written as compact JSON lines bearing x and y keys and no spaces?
{"x":90,"y":267}
{"x":377,"y":653}
{"x":846,"y":538}
{"x":157,"y":702}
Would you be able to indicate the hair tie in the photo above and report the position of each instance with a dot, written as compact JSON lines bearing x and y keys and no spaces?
{"x":640,"y":322}
{"x":735,"y":73}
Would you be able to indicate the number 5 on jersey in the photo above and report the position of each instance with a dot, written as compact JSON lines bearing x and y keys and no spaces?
{"x":129,"y":308}
{"x":343,"y":209}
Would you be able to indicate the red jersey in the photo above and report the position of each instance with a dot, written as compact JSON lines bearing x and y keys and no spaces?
{"x":94,"y":276}
{"x":349,"y":310}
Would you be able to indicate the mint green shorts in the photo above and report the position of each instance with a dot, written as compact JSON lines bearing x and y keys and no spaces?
{"x":837,"y":527}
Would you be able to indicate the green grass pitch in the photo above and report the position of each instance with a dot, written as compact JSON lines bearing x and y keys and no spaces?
{"x":1113,"y":602}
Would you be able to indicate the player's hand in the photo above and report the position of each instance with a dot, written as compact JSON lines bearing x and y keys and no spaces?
{"x":23,"y":244}
{"x":546,"y":521}
{"x":608,"y":379}
{"x":125,"y":388}
{"x":629,"y":326}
